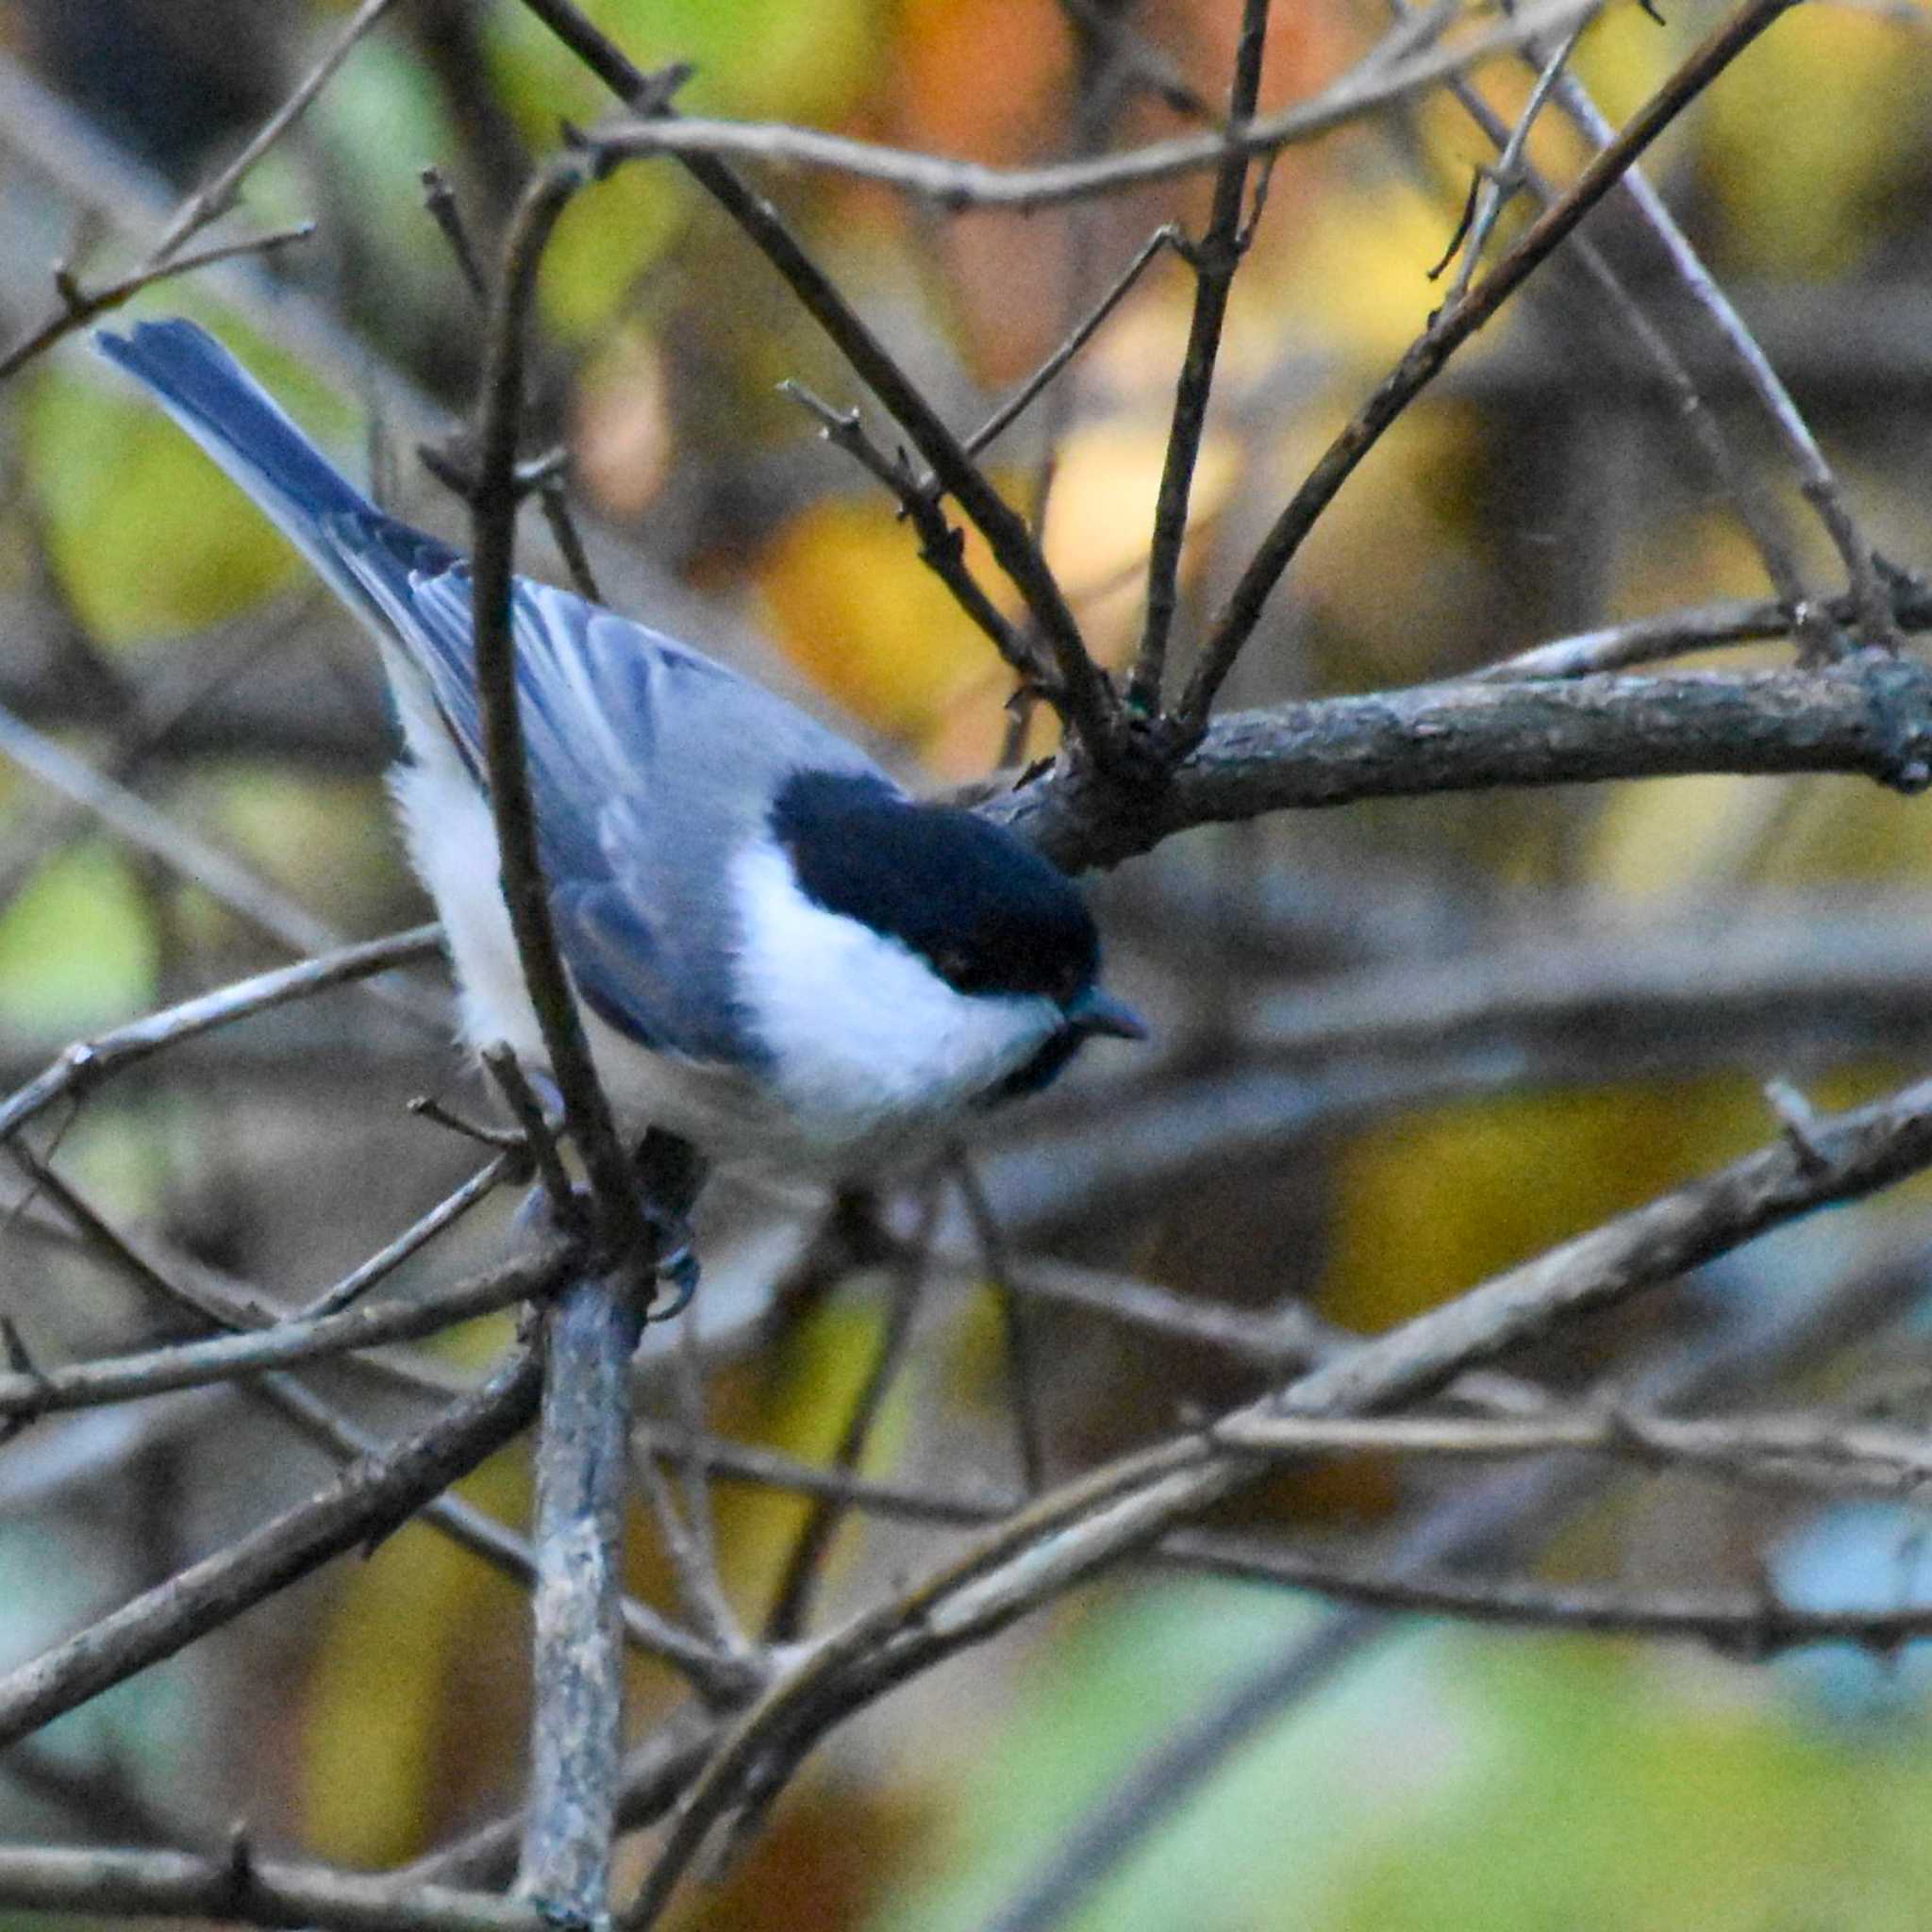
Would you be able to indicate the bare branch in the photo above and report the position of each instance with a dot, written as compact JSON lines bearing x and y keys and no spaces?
{"x":363,"y":1506}
{"x":575,"y":1738}
{"x":1495,"y":184}
{"x":80,"y":305}
{"x":942,"y":547}
{"x":1754,"y":1625}
{"x":1215,"y":258}
{"x":509,"y":1166}
{"x":189,"y":1364}
{"x":798,"y":1583}
{"x":245,"y":1891}
{"x":1076,"y":339}
{"x":85,"y":1065}
{"x":1805,"y":1451}
{"x":1871,"y":713}
{"x":215,"y":198}
{"x":956,"y":185}
{"x":1022,"y":1352}
{"x":1447,"y":331}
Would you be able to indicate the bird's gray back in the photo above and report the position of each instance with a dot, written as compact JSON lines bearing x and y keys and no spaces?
{"x":650,"y":767}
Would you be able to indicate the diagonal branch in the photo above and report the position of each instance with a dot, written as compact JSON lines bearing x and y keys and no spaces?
{"x":1087,"y":698}
{"x":88,"y":1062}
{"x":370,"y":1499}
{"x":1080,"y":1528}
{"x":1453,"y":325}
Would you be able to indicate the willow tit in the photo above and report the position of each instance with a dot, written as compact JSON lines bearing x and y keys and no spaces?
{"x":780,"y":955}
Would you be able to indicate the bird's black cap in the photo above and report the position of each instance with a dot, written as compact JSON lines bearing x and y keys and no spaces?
{"x":986,"y":912}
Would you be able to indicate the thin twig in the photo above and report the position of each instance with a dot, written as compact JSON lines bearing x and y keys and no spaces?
{"x":1076,"y":339}
{"x":1022,"y":1352}
{"x":1754,"y":1625}
{"x":1495,"y":184}
{"x":804,"y":1570}
{"x":1447,"y":331}
{"x":440,"y":200}
{"x":762,"y":1467}
{"x":79,"y":305}
{"x":545,"y":1156}
{"x":548,"y":472}
{"x":85,"y":1065}
{"x":957,"y":185}
{"x":1817,"y":480}
{"x":211,"y":201}
{"x":507,"y":1167}
{"x":693,"y":1562}
{"x":1805,"y":1451}
{"x":708,"y":1602}
{"x":301,"y":1338}
{"x":941,"y":546}
{"x":1215,"y":258}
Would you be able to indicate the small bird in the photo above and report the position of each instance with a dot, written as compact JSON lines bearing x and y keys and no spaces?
{"x":780,"y":954}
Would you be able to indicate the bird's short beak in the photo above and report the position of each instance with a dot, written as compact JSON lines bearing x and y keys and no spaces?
{"x":1094,"y":1011}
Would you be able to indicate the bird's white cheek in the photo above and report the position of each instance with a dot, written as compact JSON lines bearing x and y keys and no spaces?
{"x":861,"y":1030}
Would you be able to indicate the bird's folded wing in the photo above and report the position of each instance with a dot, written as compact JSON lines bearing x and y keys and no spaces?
{"x":650,"y":768}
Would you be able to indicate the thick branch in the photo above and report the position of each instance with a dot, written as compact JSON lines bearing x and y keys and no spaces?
{"x":1870,"y":714}
{"x":577,"y":1649}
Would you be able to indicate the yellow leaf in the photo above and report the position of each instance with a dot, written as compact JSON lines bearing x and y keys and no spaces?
{"x":1433,"y":1202}
{"x":1100,"y":520}
{"x":378,"y":1742}
{"x":851,"y":603}
{"x":799,"y":1404}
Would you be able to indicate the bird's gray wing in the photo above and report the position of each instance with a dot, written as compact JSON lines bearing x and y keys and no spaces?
{"x":650,"y":766}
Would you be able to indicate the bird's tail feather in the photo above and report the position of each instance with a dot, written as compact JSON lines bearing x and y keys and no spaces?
{"x":246,"y":431}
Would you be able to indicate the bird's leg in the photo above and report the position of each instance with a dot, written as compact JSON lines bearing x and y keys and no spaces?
{"x":673,"y":1173}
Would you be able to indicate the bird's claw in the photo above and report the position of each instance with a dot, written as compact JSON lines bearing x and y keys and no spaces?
{"x":678,"y":1265}
{"x":677,"y":1268}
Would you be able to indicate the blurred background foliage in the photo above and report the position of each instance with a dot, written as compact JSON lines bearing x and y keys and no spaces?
{"x":161,"y":633}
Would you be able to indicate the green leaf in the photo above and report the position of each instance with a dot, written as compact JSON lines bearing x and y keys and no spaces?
{"x":76,"y":951}
{"x":146,"y":537}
